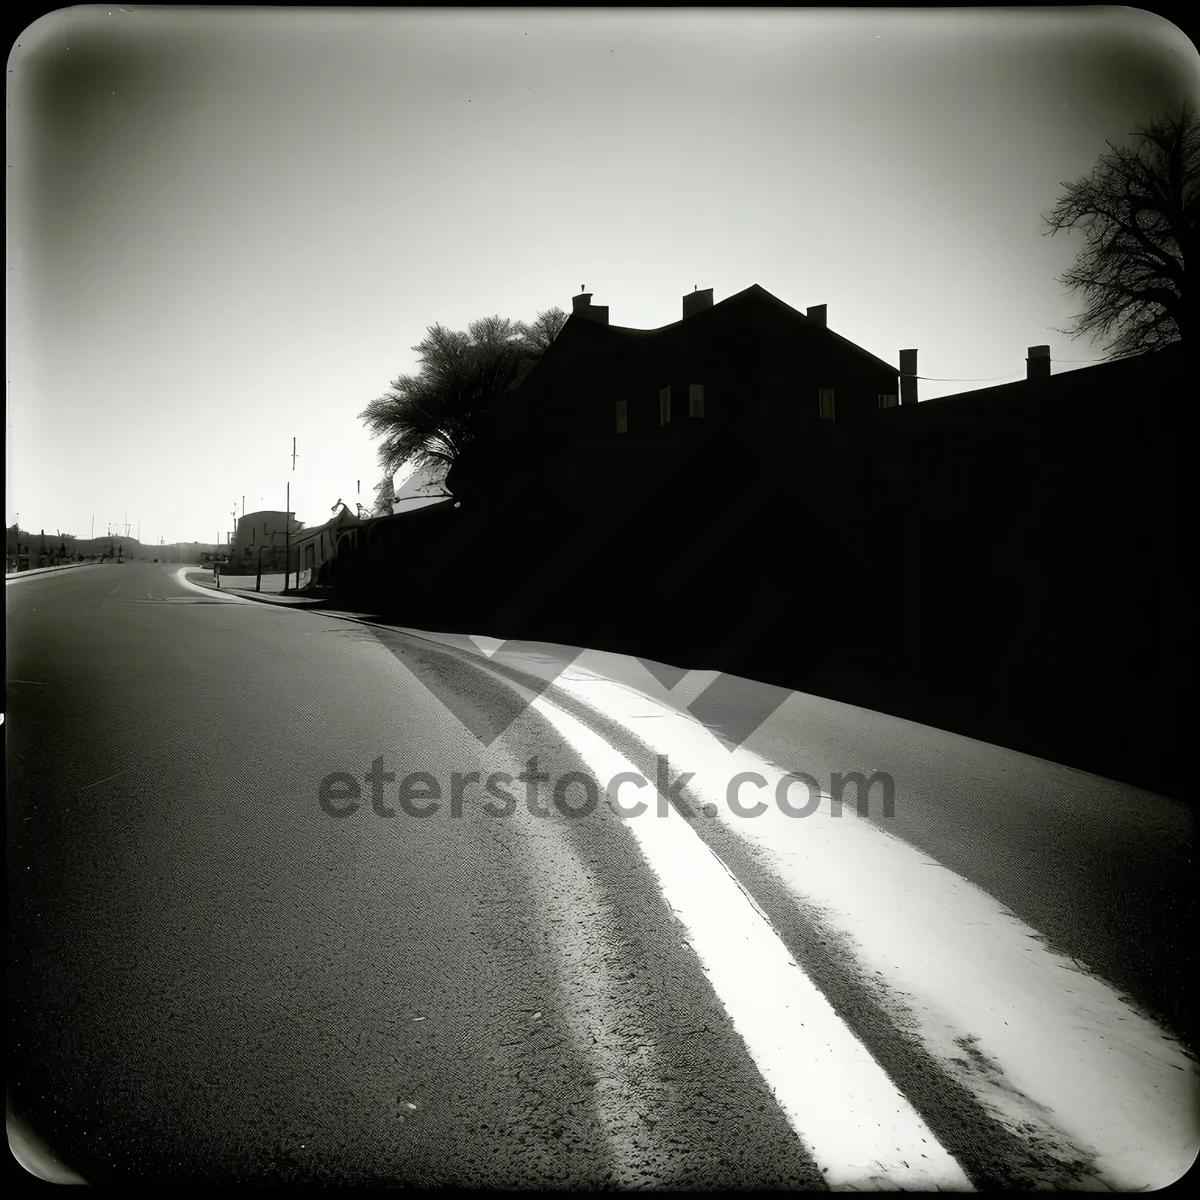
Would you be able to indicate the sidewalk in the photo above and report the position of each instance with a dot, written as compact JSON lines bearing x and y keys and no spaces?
{"x":243,"y":586}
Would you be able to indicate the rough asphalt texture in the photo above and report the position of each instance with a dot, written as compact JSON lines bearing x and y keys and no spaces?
{"x":215,"y":981}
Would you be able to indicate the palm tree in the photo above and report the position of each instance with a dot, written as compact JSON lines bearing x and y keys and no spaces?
{"x":431,"y":418}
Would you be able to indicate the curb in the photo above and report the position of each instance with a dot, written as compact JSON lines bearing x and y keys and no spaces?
{"x":327,"y":607}
{"x":10,"y":576}
{"x":273,"y":598}
{"x":264,"y":597}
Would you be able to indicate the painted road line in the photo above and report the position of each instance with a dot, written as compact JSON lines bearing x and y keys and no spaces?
{"x":858,"y":1125}
{"x":1054,"y":1053}
{"x":604,"y":1026}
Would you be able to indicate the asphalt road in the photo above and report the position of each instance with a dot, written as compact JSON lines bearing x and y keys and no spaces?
{"x":213,"y":978}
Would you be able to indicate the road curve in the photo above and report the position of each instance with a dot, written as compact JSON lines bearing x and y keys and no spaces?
{"x":216,"y":979}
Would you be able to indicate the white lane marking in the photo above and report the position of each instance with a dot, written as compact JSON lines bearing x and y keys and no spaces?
{"x":114,"y":591}
{"x":840,"y":1102}
{"x":106,"y":779}
{"x":1040,"y":1044}
{"x":605,"y":1023}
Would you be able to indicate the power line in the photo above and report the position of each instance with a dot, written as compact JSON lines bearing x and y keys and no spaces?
{"x":995,"y":378}
{"x":948,"y":379}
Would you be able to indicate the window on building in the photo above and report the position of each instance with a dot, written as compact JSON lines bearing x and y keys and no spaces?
{"x":622,"y":416}
{"x":695,"y":400}
{"x":664,"y":405}
{"x":826,"y":404}
{"x":887,"y":400}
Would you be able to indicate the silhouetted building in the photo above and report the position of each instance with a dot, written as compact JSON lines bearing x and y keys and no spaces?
{"x":1030,"y":536}
{"x":314,"y":549}
{"x":608,"y":408}
{"x":742,"y":491}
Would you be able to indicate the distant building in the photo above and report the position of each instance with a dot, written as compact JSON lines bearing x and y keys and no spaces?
{"x":261,"y":537}
{"x":402,"y":555}
{"x":313,"y":550}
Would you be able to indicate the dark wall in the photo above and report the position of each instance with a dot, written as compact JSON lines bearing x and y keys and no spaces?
{"x":1006,"y":564}
{"x":1040,"y":562}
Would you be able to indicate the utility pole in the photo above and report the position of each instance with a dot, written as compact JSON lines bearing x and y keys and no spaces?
{"x":287,"y":530}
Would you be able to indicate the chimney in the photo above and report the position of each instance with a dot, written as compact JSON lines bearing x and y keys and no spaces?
{"x":818,"y":314}
{"x":582,"y":306}
{"x":697,"y":301}
{"x":1037,"y":365}
{"x":908,"y":377}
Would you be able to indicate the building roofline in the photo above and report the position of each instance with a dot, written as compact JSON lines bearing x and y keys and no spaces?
{"x":342,"y":517}
{"x":413,"y":513}
{"x":1126,"y":362}
{"x":755,"y":292}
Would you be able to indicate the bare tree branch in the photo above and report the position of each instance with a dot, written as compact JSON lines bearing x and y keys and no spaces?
{"x":1136,"y":212}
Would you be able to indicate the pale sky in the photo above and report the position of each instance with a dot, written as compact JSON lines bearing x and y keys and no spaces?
{"x":228,"y":227}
